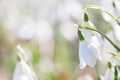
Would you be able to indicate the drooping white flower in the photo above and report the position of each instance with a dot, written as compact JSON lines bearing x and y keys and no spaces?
{"x":22,"y":71}
{"x":89,"y":50}
{"x":109,"y":75}
{"x":116,"y":29}
{"x":88,"y":54}
{"x":112,"y":6}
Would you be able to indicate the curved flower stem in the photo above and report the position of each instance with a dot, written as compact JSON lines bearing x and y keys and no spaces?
{"x":97,"y":71}
{"x":115,"y":56}
{"x":103,"y":10}
{"x":93,"y":29}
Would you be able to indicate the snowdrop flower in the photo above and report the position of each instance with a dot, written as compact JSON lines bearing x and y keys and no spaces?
{"x":88,"y":50}
{"x":116,"y":29}
{"x":89,"y":47}
{"x":107,"y":47}
{"x":109,"y":75}
{"x":22,"y":71}
{"x":112,"y":6}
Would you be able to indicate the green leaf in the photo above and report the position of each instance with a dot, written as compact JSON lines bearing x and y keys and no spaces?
{"x":86,"y":18}
{"x":81,"y":37}
{"x":115,"y":73}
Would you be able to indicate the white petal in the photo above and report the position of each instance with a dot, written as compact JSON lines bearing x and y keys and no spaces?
{"x":22,"y":68}
{"x":87,"y":54}
{"x":109,"y":75}
{"x":96,"y":51}
{"x":95,"y":41}
{"x":82,"y":63}
{"x":23,"y":77}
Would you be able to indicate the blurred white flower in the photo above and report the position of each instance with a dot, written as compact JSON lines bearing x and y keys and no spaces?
{"x":45,"y":37}
{"x":22,"y":77}
{"x":112,"y":6}
{"x":43,"y":30}
{"x":109,"y":75}
{"x":69,"y":9}
{"x":68,"y":31}
{"x":106,"y":46}
{"x":26,"y":30}
{"x":22,"y":71}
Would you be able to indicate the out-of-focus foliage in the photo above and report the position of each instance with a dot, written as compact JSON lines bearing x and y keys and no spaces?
{"x":46,"y":31}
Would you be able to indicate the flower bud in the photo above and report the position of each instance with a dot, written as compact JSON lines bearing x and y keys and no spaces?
{"x":86,"y":18}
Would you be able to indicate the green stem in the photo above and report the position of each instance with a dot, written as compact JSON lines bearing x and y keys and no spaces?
{"x":115,"y":73}
{"x":103,"y":10}
{"x":97,"y":71}
{"x":93,"y":29}
{"x":115,"y":56}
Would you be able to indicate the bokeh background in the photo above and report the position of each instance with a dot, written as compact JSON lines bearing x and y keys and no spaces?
{"x":46,"y":30}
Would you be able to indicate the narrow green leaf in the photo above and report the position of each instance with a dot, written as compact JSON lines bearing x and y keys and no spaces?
{"x":115,"y":73}
{"x":86,"y":18}
{"x":81,"y":37}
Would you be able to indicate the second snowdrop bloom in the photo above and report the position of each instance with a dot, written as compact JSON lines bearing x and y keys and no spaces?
{"x":109,"y":75}
{"x":22,"y":71}
{"x":112,"y":6}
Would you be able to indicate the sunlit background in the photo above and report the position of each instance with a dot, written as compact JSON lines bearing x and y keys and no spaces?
{"x":46,"y":30}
